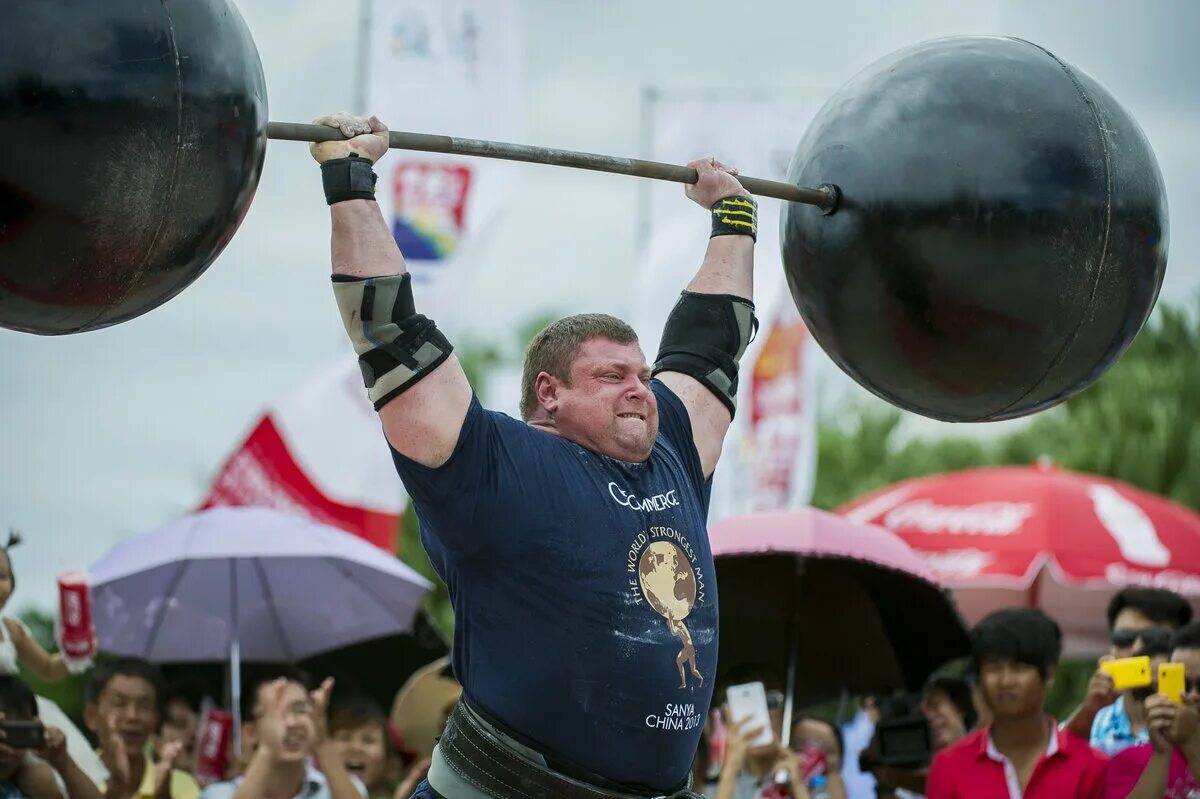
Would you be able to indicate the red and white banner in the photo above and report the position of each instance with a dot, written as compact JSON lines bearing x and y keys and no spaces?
{"x":1041,"y":536}
{"x":451,"y":67}
{"x":769,"y":458}
{"x":319,"y":453}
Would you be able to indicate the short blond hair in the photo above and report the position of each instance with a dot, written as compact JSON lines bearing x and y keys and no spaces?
{"x":555,"y":348}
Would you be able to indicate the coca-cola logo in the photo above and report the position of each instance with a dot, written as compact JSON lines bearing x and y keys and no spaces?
{"x":73,"y":610}
{"x":958,"y":564}
{"x":981,"y":518}
{"x":212,"y":742}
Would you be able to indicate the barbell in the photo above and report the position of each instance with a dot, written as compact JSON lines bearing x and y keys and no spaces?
{"x":973,"y":229}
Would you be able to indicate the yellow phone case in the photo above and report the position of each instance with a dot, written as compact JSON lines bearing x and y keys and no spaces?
{"x":1129,"y":672}
{"x":1171,"y":679}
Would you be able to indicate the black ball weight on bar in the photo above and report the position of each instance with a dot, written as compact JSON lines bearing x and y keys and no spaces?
{"x":133,"y":133}
{"x":985,"y":233}
{"x":1002,"y":234}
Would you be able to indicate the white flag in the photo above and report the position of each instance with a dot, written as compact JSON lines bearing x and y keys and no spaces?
{"x":768,"y":461}
{"x":452,"y":68}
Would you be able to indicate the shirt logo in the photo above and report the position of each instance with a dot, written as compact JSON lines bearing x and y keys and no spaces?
{"x":654,"y":503}
{"x":663,"y":574}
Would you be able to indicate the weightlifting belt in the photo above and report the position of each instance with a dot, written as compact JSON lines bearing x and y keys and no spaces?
{"x":479,"y":755}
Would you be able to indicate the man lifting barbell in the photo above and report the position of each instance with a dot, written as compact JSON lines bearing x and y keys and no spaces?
{"x":573,"y":542}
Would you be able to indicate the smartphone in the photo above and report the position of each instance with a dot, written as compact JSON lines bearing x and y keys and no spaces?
{"x":1171,"y":680}
{"x":23,"y":734}
{"x":1129,"y":672}
{"x":749,"y":701}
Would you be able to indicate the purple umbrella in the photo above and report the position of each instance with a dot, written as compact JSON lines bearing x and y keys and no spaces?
{"x":248,"y":584}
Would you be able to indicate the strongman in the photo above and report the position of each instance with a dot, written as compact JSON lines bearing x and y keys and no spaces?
{"x":573,"y":542}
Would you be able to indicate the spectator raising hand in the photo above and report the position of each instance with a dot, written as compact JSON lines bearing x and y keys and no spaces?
{"x":167,"y":755}
{"x":283,"y":727}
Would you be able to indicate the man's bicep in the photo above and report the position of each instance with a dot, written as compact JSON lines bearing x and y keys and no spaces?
{"x":423,"y":423}
{"x":709,"y":417}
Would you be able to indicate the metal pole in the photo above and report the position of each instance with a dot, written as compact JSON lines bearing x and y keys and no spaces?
{"x":364,"y":55}
{"x":789,"y":695}
{"x":235,"y":661}
{"x":825,"y":196}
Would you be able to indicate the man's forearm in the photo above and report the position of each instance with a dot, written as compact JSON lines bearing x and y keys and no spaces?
{"x":1153,"y":782}
{"x":1191,"y":753}
{"x":728,"y":268}
{"x":1080,"y":723}
{"x":79,"y":784}
{"x":362,"y":245}
{"x":254,"y":779}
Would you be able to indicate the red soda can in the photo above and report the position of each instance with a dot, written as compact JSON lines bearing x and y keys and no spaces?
{"x":815,"y":762}
{"x":718,"y":742}
{"x":75,"y":616}
{"x":212,"y":745}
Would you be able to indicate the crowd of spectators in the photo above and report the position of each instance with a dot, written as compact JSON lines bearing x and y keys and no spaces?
{"x":977,"y":730}
{"x":982,"y":731}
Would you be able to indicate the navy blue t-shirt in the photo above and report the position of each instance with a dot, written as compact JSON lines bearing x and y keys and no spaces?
{"x":583,"y":589}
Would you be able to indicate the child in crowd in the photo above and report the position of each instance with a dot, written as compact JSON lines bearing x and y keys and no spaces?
{"x":359,"y":728}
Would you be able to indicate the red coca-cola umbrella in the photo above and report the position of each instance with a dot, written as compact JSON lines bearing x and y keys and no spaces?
{"x":1041,"y":536}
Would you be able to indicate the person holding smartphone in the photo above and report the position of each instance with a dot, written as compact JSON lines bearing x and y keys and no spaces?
{"x":1141,"y":621}
{"x":1168,"y":766}
{"x":34,"y":762}
{"x":756,"y":764}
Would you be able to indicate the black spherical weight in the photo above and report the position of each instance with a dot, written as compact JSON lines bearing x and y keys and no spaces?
{"x":134,"y":133}
{"x":1002,"y":233}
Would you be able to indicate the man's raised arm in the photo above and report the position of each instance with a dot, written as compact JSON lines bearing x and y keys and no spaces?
{"x":713,"y":322}
{"x":412,"y":376}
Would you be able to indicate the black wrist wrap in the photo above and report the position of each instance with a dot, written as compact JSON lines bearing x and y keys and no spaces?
{"x":350,"y":178}
{"x":735,"y":216}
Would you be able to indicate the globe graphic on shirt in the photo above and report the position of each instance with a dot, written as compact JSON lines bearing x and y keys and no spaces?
{"x":667,"y":579}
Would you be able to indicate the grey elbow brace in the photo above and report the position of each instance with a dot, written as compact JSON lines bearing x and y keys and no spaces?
{"x":704,"y":337}
{"x":397,"y":347}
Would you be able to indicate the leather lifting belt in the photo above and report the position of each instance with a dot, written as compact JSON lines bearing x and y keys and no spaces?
{"x":481,"y":759}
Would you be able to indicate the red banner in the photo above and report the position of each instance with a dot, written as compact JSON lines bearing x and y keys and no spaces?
{"x":263,"y":472}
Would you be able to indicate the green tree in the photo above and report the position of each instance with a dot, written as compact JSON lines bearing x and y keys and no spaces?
{"x":1139,"y":423}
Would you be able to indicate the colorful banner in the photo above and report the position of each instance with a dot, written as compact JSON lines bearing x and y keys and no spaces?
{"x":768,"y":462}
{"x":453,"y":68}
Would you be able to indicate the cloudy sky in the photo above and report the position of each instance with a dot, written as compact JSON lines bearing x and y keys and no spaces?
{"x":110,"y":433}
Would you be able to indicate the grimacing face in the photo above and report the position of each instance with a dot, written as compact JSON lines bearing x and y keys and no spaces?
{"x":607,"y":406}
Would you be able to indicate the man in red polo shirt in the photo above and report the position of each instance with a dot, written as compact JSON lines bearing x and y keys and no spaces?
{"x":1022,"y":754}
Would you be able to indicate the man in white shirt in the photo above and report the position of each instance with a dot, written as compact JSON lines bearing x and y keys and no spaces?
{"x":291,"y":754}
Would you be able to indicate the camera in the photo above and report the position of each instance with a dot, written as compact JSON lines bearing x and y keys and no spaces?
{"x":902,"y":738}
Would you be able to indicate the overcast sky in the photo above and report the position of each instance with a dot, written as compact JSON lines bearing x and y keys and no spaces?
{"x":110,"y":433}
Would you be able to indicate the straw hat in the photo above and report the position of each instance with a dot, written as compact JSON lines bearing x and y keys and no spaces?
{"x":422,"y":706}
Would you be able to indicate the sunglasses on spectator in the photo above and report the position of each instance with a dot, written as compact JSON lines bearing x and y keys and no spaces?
{"x":1154,"y":637}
